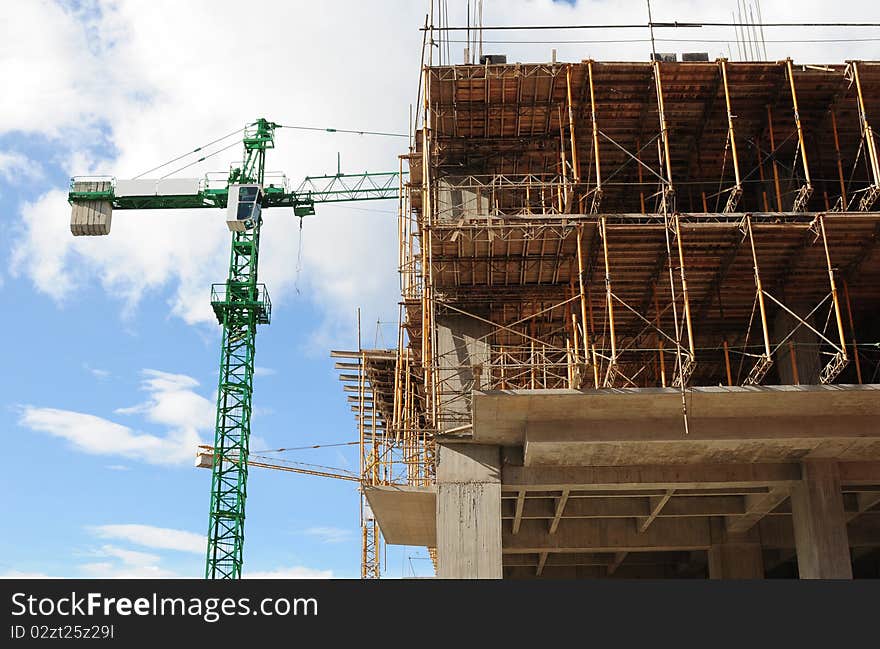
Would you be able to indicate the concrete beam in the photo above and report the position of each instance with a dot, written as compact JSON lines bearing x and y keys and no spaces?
{"x":859,"y":473}
{"x":699,"y":476}
{"x":504,"y":417}
{"x":820,"y":523}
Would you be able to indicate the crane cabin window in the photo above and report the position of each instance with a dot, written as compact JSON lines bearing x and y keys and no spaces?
{"x":248,"y":203}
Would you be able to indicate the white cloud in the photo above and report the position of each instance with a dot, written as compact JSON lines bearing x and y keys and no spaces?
{"x":173,"y":402}
{"x":15,"y":166}
{"x":24,"y":574}
{"x":100,"y":436}
{"x":117,"y":467}
{"x":129,"y":557}
{"x":159,"y":538}
{"x":264,"y":371}
{"x":96,"y":372}
{"x":42,"y":254}
{"x":111,"y":570}
{"x":293,"y":572}
{"x":329,"y":534}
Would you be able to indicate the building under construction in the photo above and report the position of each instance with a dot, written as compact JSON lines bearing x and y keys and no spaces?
{"x":638,"y":332}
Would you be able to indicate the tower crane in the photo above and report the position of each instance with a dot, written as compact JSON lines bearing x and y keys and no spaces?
{"x":240,"y":303}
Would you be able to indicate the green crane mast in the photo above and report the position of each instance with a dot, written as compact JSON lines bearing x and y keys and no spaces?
{"x":239,"y":308}
{"x":240,"y":304}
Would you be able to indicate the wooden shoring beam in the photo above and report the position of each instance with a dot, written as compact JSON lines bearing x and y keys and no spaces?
{"x":839,"y":361}
{"x":757,"y":506}
{"x":639,"y":133}
{"x":843,"y":202}
{"x":661,"y":359}
{"x":805,"y":192}
{"x":736,"y":190}
{"x":609,"y":305}
{"x":697,"y":137}
{"x":597,"y":195}
{"x":852,"y":328}
{"x":668,"y":189}
{"x":542,"y":561}
{"x":657,"y":504}
{"x":560,"y":508}
{"x":571,"y":126}
{"x":864,"y":501}
{"x":763,"y":364}
{"x":619,"y":558}
{"x":589,"y":354}
{"x":640,"y":175}
{"x":761,"y":177}
{"x":773,"y":155}
{"x":872,"y":192}
{"x":684,"y":363}
{"x":562,"y":190}
{"x":517,"y":517}
{"x":684,"y":286}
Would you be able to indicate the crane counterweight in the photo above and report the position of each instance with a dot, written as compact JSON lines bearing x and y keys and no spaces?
{"x":91,"y":217}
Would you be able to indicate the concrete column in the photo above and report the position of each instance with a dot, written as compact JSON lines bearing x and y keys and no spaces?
{"x":468,"y":511}
{"x":736,"y":561}
{"x":820,"y":523}
{"x":460,"y":346}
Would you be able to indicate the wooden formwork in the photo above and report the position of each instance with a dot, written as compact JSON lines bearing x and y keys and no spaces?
{"x":644,"y":224}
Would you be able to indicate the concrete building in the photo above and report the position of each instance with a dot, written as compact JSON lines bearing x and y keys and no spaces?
{"x":638,"y":324}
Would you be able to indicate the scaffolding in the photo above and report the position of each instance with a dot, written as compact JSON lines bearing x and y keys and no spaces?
{"x":625,"y":225}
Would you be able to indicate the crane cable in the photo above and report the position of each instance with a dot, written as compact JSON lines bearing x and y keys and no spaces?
{"x":341,"y":130}
{"x":203,"y":158}
{"x":299,"y":250}
{"x":240,"y":130}
{"x":196,"y":150}
{"x":305,"y":448}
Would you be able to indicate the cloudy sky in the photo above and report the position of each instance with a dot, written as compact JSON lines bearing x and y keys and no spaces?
{"x":111,"y":345}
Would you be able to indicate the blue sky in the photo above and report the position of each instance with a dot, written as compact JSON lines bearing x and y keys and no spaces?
{"x":111,"y":345}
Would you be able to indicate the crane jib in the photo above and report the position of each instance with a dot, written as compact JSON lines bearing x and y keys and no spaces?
{"x":93,"y":199}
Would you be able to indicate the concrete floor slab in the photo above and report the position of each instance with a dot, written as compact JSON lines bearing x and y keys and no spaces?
{"x":613,"y":427}
{"x":406,"y":515}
